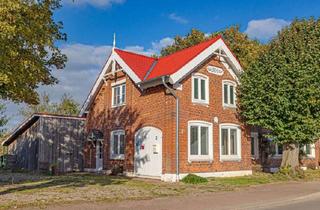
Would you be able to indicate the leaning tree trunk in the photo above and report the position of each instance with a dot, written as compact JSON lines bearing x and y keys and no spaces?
{"x":290,"y":156}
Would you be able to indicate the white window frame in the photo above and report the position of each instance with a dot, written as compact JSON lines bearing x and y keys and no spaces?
{"x":277,"y":150}
{"x":120,"y":84}
{"x":200,"y":157}
{"x":206,"y":79}
{"x":229,"y":126}
{"x":117,"y":156}
{"x":312,"y":150}
{"x":229,"y":83}
{"x":255,"y":137}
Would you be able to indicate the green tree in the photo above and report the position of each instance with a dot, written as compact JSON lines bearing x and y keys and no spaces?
{"x":246,"y":50}
{"x":66,"y":106}
{"x":28,"y":48}
{"x":3,"y":122}
{"x":281,"y":91}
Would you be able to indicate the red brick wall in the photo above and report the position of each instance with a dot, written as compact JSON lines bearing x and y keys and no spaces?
{"x":156,"y":108}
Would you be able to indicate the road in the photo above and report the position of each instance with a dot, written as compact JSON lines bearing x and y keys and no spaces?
{"x":293,"y":196}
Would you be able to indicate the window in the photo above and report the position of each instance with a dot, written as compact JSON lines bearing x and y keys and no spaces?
{"x":230,"y":142}
{"x":117,"y":145}
{"x":200,"y":141}
{"x":200,"y":88}
{"x":309,"y":150}
{"x":229,"y":94}
{"x":277,"y":149}
{"x":254,"y":145}
{"x":119,"y":94}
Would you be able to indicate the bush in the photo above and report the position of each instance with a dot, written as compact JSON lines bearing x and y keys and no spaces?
{"x":292,"y":172}
{"x":194,"y":179}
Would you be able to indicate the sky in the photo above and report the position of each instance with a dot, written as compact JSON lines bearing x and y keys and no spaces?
{"x":146,"y":26}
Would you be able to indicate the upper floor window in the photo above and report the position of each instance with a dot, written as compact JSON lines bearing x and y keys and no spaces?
{"x":230,"y":142}
{"x":118,"y":94}
{"x":229,"y":94}
{"x":200,"y":88}
{"x":117,"y":144}
{"x":200,"y":141}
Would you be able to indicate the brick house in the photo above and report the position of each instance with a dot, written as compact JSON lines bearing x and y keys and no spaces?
{"x":167,"y":117}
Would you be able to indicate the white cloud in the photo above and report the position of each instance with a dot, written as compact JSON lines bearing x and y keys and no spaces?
{"x":265,"y":29}
{"x":155,"y":49}
{"x":95,"y":3}
{"x":83,"y":66}
{"x":178,"y":19}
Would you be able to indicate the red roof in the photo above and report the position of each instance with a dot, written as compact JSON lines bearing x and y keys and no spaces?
{"x":140,"y":64}
{"x":166,"y":65}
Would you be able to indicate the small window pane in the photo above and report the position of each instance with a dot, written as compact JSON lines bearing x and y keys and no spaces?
{"x":231,"y":95}
{"x":225,"y":93}
{"x":123,"y":94}
{"x":196,"y":88}
{"x":204,"y":141}
{"x":280,"y":149}
{"x":114,"y":96}
{"x":233,"y":141}
{"x":308,"y":149}
{"x":194,"y":140}
{"x":122,"y":145}
{"x":224,"y":142}
{"x":252,"y":146}
{"x":115,"y":144}
{"x":203,"y":89}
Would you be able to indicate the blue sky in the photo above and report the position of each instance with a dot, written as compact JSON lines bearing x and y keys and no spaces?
{"x":145,"y":26}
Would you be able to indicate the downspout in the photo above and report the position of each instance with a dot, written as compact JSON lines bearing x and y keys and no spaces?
{"x":177,"y":124}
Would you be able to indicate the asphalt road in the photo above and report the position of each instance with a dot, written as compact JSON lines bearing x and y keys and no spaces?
{"x":291,"y":196}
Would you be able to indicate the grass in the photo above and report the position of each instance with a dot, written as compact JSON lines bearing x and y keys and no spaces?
{"x":26,"y":190}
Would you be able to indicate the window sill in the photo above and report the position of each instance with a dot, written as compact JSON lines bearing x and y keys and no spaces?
{"x":120,"y":157}
{"x":190,"y":160}
{"x":226,"y":106}
{"x":200,"y":103}
{"x":115,"y":106}
{"x":276,"y":156}
{"x":230,"y":159}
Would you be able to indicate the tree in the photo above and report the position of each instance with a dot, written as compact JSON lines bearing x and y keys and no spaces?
{"x":28,"y":48}
{"x":3,"y":122}
{"x":246,"y":50}
{"x":281,"y":93}
{"x":66,"y":106}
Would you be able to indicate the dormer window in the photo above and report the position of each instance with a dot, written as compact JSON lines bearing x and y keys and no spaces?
{"x":118,"y":94}
{"x":229,"y":94}
{"x":200,"y":89}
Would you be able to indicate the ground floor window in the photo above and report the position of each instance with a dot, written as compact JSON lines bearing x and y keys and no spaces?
{"x":309,"y":150}
{"x":230,"y":142}
{"x":200,"y":141}
{"x":117,"y":144}
{"x":254,"y":145}
{"x":277,"y":149}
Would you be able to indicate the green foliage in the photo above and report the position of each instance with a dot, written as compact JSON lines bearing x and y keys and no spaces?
{"x":28,"y":49}
{"x":66,"y":106}
{"x":280,"y":91}
{"x":290,"y":172}
{"x":194,"y":179}
{"x":3,"y":122}
{"x":246,"y":50}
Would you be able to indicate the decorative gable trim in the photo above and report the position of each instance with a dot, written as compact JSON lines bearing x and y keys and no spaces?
{"x":114,"y":57}
{"x":191,"y":65}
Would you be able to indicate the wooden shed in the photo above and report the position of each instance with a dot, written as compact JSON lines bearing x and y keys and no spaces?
{"x":48,"y":142}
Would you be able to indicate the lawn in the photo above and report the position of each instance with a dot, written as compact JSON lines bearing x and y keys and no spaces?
{"x":23,"y":190}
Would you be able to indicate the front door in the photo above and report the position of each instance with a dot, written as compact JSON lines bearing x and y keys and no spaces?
{"x":99,"y":150}
{"x":148,"y":152}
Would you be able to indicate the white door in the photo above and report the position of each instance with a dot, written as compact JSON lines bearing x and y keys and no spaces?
{"x":148,"y":152}
{"x":99,"y":149}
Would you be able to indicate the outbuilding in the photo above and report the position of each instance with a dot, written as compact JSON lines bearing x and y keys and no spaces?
{"x":47,"y":142}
